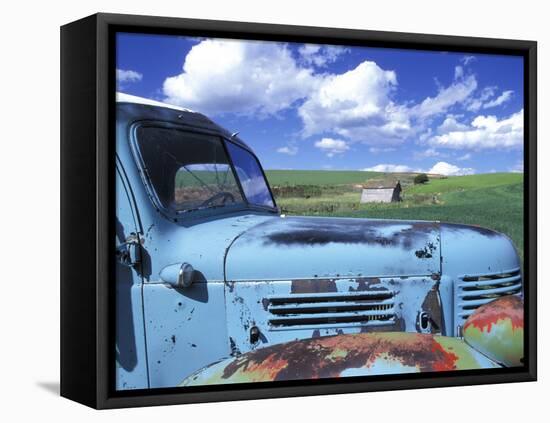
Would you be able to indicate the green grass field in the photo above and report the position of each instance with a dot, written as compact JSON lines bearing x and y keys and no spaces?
{"x":491,"y":200}
{"x":317,"y":177}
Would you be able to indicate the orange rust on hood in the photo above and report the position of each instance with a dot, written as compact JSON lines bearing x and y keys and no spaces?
{"x":448,"y":359}
{"x":330,"y":356}
{"x":509,"y":307}
{"x":268,"y":368}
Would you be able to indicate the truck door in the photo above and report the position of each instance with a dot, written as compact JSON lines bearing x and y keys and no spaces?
{"x":131,"y":362}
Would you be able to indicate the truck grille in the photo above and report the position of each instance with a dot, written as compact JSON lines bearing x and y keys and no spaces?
{"x":473,"y":291}
{"x":331,"y":309}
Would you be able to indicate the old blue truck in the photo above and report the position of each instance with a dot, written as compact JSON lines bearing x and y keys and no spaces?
{"x":207,"y":268}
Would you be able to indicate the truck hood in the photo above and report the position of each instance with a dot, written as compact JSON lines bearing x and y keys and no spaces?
{"x":285,"y":248}
{"x":363,"y":354}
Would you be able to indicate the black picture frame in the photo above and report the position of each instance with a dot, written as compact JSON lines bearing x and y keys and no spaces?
{"x":87,"y":169}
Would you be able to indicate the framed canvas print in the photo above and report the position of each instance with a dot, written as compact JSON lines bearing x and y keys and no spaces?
{"x":253,"y":211}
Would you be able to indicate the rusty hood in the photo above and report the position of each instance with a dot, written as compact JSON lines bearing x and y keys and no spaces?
{"x":321,"y":247}
{"x":364,"y":354}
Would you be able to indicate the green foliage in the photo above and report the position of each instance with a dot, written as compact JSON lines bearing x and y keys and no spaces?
{"x":421,"y":178}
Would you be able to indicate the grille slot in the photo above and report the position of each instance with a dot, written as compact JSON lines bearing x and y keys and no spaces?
{"x":475,"y":290}
{"x":324,"y":310}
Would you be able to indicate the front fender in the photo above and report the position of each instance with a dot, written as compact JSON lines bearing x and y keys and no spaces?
{"x":363,"y":354}
{"x":496,"y":330}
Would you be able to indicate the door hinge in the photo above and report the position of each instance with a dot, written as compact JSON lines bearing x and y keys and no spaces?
{"x":129,"y":252}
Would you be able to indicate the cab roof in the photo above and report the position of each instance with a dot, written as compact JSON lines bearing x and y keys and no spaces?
{"x":128,"y":98}
{"x":158,"y":110}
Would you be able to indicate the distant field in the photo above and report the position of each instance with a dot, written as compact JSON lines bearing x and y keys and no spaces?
{"x":461,"y":183}
{"x":491,"y":200}
{"x":317,"y":177}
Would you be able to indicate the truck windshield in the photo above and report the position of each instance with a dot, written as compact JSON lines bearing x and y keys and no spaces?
{"x":188,"y":171}
{"x":191,"y":171}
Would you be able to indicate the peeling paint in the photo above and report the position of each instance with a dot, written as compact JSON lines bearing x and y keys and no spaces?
{"x":344,"y":355}
{"x":496,"y":329}
{"x":304,"y":308}
{"x":308,"y":286}
{"x":426,"y":252}
{"x":366,"y":284}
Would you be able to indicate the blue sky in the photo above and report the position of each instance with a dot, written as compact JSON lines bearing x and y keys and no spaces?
{"x":336,"y":107}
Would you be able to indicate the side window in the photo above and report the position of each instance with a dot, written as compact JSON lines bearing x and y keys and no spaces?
{"x":251,"y":176}
{"x":188,"y":170}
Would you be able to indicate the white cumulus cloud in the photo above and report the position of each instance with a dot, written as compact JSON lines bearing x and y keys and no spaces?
{"x":232,"y":76}
{"x":448,"y":169}
{"x":475,"y":103}
{"x":290,"y":150}
{"x":321,"y":55}
{"x":332,"y":147}
{"x":484,"y":132}
{"x":447,"y":97}
{"x":123,"y":75}
{"x":486,"y":100}
{"x":389,"y":168}
{"x":450,"y":124}
{"x":467,"y":59}
{"x":440,"y":168}
{"x":464,"y":157}
{"x":501,"y":99}
{"x":356,"y":105}
{"x":429,"y":152}
{"x":360,"y":105}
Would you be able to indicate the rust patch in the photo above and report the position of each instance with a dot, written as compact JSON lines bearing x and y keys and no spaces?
{"x":312,"y":286}
{"x":366,"y":284}
{"x":330,"y":356}
{"x":496,"y":330}
{"x":509,"y":307}
{"x":447,"y":359}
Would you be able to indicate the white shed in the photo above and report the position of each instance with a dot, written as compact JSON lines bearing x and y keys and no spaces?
{"x":381,"y":192}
